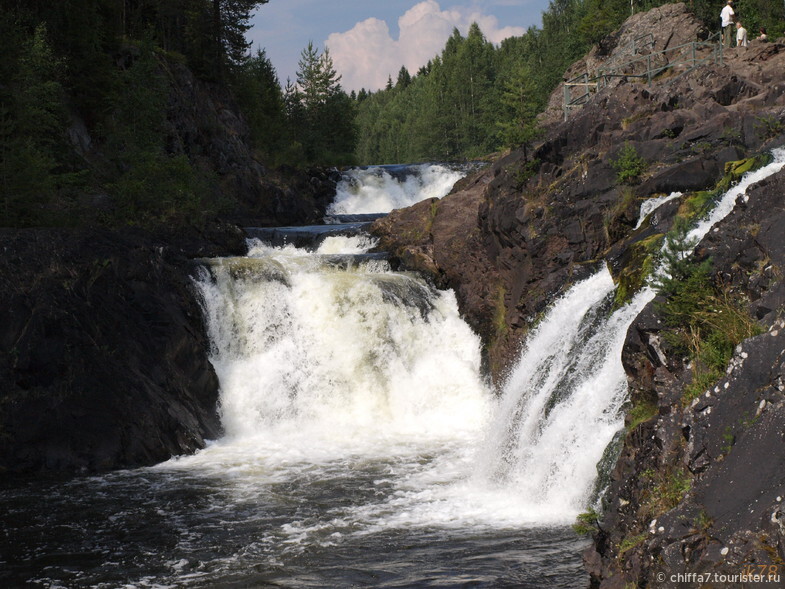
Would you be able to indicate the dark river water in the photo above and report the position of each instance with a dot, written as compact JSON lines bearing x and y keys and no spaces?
{"x":169,"y":528}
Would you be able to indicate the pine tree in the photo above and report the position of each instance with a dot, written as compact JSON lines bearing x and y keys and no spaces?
{"x":404,"y":79}
{"x":260,"y":97}
{"x":32,"y":124}
{"x":328,"y":113}
{"x":230,"y":21}
{"x":518,"y":127}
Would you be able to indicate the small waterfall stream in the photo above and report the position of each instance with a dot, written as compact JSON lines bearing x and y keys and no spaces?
{"x":363,"y":446}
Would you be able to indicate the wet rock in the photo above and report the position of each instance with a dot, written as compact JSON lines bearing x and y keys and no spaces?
{"x":103,"y":355}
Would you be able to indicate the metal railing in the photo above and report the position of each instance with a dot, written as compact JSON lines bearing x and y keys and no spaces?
{"x":689,"y":54}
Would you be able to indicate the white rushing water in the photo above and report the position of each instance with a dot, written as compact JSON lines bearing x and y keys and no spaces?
{"x":650,"y":205}
{"x":562,"y":402}
{"x":380,"y":189}
{"x":329,"y":369}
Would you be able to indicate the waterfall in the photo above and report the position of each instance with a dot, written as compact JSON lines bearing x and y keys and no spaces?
{"x":335,"y":354}
{"x":363,"y":446}
{"x":380,"y":189}
{"x":347,"y":372}
{"x":561,"y":404}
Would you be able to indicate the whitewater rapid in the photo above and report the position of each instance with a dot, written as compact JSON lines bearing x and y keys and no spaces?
{"x":380,"y":189}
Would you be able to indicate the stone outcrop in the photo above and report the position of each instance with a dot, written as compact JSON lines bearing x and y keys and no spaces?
{"x":103,"y":355}
{"x":697,"y":488}
{"x":646,"y":38}
{"x":700,"y":488}
{"x":540,"y":223}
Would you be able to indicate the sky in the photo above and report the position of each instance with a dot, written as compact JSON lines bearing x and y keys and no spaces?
{"x":370,"y":40}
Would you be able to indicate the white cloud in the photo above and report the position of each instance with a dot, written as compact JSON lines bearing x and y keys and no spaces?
{"x":367,"y":54}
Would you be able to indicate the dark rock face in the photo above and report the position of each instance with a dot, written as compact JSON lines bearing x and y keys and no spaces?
{"x":728,"y":443}
{"x":535,"y":230}
{"x":103,"y":357}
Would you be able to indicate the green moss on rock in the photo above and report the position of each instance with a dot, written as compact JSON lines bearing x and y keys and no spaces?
{"x":697,"y":204}
{"x":631,"y":278}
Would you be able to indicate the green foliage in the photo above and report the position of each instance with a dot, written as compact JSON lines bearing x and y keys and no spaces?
{"x":664,"y":491}
{"x":729,"y":439}
{"x":320,"y":115}
{"x":163,"y":189}
{"x":629,"y":165}
{"x":100,"y":64}
{"x":640,"y":413}
{"x":32,"y":122}
{"x":631,"y":542}
{"x":769,"y":126}
{"x":704,"y":320}
{"x":587,"y":523}
{"x":135,"y":125}
{"x":703,"y":522}
{"x":518,"y":127}
{"x":448,"y":111}
{"x":261,"y":99}
{"x":500,"y":312}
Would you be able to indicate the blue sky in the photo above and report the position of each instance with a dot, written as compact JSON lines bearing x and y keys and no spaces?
{"x":371,"y":39}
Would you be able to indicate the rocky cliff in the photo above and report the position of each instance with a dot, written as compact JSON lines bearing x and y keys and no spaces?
{"x":103,"y":354}
{"x":103,"y":358}
{"x":699,"y":485}
{"x":512,"y":237}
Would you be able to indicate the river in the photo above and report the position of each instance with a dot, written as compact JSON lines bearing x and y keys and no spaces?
{"x":364,"y":447}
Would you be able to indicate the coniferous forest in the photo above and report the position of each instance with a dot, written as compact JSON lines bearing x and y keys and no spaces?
{"x":108,"y":65}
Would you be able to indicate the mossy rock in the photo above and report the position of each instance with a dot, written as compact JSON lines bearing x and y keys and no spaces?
{"x":736,"y":169}
{"x":632,"y":277}
{"x":697,"y":204}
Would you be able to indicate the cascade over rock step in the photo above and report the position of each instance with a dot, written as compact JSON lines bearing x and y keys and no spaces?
{"x":311,"y":236}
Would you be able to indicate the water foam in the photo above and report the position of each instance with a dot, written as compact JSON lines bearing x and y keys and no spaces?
{"x":377,"y":190}
{"x":337,"y":357}
{"x":365,"y":379}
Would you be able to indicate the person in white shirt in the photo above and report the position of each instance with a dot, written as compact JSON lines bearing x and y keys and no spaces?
{"x":726,"y":16}
{"x":741,"y":35}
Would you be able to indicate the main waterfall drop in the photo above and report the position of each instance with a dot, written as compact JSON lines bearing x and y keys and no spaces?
{"x":341,"y":356}
{"x":326,"y":357}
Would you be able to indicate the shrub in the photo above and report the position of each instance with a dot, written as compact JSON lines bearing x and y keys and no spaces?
{"x":666,"y":490}
{"x":586,"y":523}
{"x":629,"y":165}
{"x":705,"y":320}
{"x":641,"y":413}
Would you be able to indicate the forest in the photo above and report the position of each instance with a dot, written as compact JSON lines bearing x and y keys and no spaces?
{"x":106,"y":63}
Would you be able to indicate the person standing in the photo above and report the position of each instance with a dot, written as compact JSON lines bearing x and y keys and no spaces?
{"x":741,"y":35}
{"x":726,"y":16}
